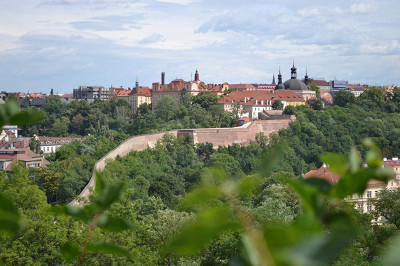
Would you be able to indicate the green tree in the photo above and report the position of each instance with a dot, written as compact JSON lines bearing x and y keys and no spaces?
{"x":387,"y":207}
{"x":277,"y":105}
{"x":167,"y":108}
{"x":344,"y":98}
{"x":205,"y":99}
{"x":317,"y":90}
{"x":316,"y":104}
{"x":34,"y":145}
{"x":289,"y":110}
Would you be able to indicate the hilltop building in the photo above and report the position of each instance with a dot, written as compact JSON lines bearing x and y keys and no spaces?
{"x":90,"y":93}
{"x":159,"y":90}
{"x":49,"y":145}
{"x":9,"y":157}
{"x":298,"y":86}
{"x":251,"y":103}
{"x":177,"y":87}
{"x":323,"y":85}
{"x":361,"y":202}
{"x":139,"y":96}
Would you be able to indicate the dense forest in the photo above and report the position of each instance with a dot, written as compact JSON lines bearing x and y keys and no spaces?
{"x":169,"y":190}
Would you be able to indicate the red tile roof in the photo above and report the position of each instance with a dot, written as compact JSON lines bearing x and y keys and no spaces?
{"x":261,"y":95}
{"x":175,"y":85}
{"x":58,"y":140}
{"x":214,"y":87}
{"x":328,"y":175}
{"x":20,"y":154}
{"x":325,"y":173}
{"x":319,"y":82}
{"x":123,"y":93}
{"x":142,"y":91}
{"x":392,"y":163}
{"x":242,"y":86}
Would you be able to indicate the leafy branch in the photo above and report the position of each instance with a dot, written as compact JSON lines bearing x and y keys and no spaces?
{"x":94,"y":215}
{"x":316,"y":237}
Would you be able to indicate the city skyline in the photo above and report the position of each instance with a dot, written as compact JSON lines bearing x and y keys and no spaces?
{"x":62,"y":44}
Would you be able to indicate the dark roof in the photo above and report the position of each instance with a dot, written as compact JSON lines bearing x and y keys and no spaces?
{"x":279,"y":87}
{"x":295,"y":85}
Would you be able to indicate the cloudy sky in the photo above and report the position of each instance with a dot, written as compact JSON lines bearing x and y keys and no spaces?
{"x":62,"y":44}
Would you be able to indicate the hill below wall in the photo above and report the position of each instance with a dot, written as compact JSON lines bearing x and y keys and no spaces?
{"x":217,"y":136}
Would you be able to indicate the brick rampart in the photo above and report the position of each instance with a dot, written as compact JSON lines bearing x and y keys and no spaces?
{"x":216,"y":136}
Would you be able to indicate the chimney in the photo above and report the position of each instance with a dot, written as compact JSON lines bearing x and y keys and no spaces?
{"x":385,"y":159}
{"x":162,"y":78}
{"x":324,"y":165}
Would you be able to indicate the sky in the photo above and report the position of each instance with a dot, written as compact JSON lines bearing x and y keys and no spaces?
{"x":63,"y":44}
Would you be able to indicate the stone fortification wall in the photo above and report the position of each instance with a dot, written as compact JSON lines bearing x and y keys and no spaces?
{"x":241,"y":135}
{"x":217,"y":136}
{"x":137,"y":143}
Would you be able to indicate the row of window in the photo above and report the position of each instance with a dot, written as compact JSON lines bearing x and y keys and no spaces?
{"x":360,"y":207}
{"x":52,"y":149}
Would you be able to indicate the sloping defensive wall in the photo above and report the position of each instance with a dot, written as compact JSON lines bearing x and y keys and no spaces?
{"x":217,"y":136}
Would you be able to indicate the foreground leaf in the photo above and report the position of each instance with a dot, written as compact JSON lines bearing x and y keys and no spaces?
{"x":108,"y":249}
{"x":70,"y":251}
{"x":206,"y":227}
{"x":113,"y":224}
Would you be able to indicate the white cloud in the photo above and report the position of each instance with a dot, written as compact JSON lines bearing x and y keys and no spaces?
{"x":180,"y":2}
{"x":243,"y":41}
{"x":360,"y":8}
{"x":308,"y":12}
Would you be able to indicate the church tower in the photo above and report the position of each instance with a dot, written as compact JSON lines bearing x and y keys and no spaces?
{"x":279,"y":86}
{"x":293,"y":72}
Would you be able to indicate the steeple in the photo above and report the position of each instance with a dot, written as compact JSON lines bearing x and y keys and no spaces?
{"x":196,"y":76}
{"x":306,"y":79}
{"x":273,"y":79}
{"x":136,"y":84}
{"x":279,"y":86}
{"x":293,"y":71}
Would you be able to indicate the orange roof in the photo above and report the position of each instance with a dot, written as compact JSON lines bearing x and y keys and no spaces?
{"x":175,"y":85}
{"x":143,"y":91}
{"x":325,"y":173}
{"x":319,"y":82}
{"x":26,"y":154}
{"x":242,"y":86}
{"x":123,"y":93}
{"x":261,"y":95}
{"x":214,"y":88}
{"x":68,"y":95}
{"x":328,"y":175}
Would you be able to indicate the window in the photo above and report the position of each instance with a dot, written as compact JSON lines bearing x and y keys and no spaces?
{"x":360,"y":207}
{"x":376,"y":193}
{"x":369,"y":194}
{"x":369,"y":207}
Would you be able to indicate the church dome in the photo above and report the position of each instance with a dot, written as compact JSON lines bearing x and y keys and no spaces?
{"x":295,"y":84}
{"x":279,"y":87}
